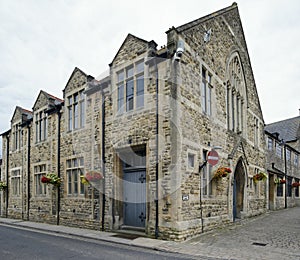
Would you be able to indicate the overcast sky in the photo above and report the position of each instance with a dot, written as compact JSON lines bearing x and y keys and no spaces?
{"x":42,"y":41}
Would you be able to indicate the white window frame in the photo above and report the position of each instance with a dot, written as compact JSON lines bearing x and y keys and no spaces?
{"x":74,"y":169}
{"x":40,"y":189}
{"x":41,"y":125}
{"x":76,"y":110}
{"x":131,"y":76}
{"x":17,"y":136}
{"x":15,"y":181}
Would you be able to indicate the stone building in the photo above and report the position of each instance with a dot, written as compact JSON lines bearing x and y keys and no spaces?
{"x":283,"y":143}
{"x":148,"y":128}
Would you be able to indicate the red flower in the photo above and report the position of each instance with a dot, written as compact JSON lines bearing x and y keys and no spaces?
{"x":295,"y":184}
{"x":93,"y":176}
{"x":44,"y":179}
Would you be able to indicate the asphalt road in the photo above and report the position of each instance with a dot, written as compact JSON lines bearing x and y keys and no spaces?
{"x":20,"y":243}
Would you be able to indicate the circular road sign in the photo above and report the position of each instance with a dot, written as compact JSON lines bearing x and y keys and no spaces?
{"x":212,"y":157}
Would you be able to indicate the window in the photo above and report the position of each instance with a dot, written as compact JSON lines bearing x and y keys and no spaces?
{"x":280,"y":190}
{"x":76,"y":110}
{"x":296,"y":159}
{"x":17,"y":137}
{"x":41,"y":124}
{"x":289,"y":186}
{"x":256,"y":131}
{"x":206,"y":92}
{"x":297,"y":189}
{"x":288,"y":154}
{"x":39,"y":171}
{"x":16,"y":182}
{"x":75,"y":168}
{"x":206,"y":177}
{"x":278,"y":150}
{"x":270,"y":144}
{"x":235,"y":95}
{"x":130,"y":83}
{"x":191,"y":160}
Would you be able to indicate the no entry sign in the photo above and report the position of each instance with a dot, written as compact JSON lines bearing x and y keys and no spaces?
{"x":212,"y":157}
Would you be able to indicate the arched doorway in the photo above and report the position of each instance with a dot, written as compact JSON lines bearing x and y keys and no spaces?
{"x":238,"y":190}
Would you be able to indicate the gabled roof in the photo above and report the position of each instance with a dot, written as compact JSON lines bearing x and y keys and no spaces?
{"x":74,"y":71}
{"x":49,"y":97}
{"x":287,"y":129}
{"x":125,"y":41}
{"x":204,"y":18}
{"x":25,"y":112}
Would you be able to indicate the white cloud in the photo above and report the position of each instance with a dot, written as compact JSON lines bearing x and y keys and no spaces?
{"x":42,"y":41}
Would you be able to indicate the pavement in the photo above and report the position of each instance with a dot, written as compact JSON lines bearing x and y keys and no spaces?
{"x":274,"y":235}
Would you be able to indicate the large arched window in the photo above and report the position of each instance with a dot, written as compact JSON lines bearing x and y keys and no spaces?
{"x":236,"y":94}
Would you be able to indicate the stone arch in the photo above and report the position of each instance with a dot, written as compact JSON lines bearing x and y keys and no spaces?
{"x":236,"y":95}
{"x":239,"y":183}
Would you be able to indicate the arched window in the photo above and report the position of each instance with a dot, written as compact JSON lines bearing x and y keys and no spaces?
{"x":236,"y":94}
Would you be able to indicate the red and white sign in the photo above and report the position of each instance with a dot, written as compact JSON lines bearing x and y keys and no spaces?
{"x":212,"y":157}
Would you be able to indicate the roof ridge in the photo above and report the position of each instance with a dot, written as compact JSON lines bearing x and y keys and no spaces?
{"x":280,"y":121}
{"x":204,"y":18}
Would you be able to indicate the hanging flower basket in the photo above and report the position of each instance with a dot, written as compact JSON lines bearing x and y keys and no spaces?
{"x":279,"y":181}
{"x":83,"y":180}
{"x":3,"y":185}
{"x":51,"y":178}
{"x":260,"y":177}
{"x":222,"y":172}
{"x":93,"y":176}
{"x":295,"y":184}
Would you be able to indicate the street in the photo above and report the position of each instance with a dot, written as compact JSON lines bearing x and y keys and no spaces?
{"x":19,"y":243}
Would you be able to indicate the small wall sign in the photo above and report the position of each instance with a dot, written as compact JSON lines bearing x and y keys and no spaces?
{"x":185,"y":197}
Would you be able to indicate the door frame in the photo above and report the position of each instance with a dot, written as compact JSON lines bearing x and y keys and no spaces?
{"x":239,"y":183}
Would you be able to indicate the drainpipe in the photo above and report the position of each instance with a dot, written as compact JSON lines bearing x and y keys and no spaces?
{"x":7,"y":166}
{"x":58,"y":163}
{"x":200,"y":194}
{"x":285,"y":176}
{"x":156,"y":156}
{"x":28,"y":172}
{"x":103,"y":159}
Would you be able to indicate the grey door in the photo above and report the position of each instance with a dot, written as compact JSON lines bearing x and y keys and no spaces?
{"x":134,"y":195}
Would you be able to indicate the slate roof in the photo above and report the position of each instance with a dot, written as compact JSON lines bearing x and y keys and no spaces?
{"x":288,"y":129}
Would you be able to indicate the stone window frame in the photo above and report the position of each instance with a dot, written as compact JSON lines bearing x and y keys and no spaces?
{"x":74,"y":169}
{"x":256,"y":131}
{"x":41,"y":125}
{"x":15,"y":181}
{"x":191,"y":154}
{"x":75,"y":110}
{"x":17,"y":136}
{"x":206,"y":91}
{"x":133,"y":73}
{"x":40,"y":189}
{"x":236,"y":95}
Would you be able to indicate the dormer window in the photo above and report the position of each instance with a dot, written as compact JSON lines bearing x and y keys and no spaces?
{"x":130,"y":84}
{"x":17,"y":137}
{"x":76,"y":110}
{"x":41,"y":125}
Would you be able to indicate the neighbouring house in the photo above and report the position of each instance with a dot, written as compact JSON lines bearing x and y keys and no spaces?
{"x":130,"y":150}
{"x":283,"y":143}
